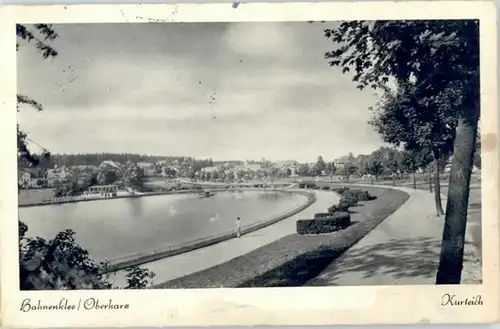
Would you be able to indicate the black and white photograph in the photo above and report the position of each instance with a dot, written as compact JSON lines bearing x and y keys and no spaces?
{"x":177,"y":155}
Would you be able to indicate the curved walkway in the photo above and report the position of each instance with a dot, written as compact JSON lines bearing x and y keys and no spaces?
{"x":180,"y":265}
{"x":403,"y":249}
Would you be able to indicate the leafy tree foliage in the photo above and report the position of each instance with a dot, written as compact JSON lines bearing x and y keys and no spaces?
{"x":133,"y":176}
{"x":59,"y":263}
{"x":40,"y":35}
{"x":138,"y":278}
{"x":320,"y":166}
{"x":431,"y":61}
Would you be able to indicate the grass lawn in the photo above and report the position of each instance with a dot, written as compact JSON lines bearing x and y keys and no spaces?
{"x":35,"y":195}
{"x":295,"y":259}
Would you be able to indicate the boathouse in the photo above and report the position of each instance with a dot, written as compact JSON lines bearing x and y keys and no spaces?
{"x":104,"y":190}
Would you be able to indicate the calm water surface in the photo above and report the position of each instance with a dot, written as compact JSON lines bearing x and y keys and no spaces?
{"x":121,"y":227}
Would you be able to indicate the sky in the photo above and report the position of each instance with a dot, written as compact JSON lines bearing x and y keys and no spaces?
{"x":226,"y":91}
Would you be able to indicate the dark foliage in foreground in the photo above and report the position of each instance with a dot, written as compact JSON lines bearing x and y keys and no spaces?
{"x":60,"y":263}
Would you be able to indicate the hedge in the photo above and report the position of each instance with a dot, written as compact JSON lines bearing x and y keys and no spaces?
{"x":340,"y":190}
{"x":349,"y":198}
{"x":334,"y":222}
{"x":342,"y":206}
{"x":360,"y":195}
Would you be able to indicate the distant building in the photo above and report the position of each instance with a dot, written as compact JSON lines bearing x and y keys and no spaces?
{"x":52,"y":178}
{"x":249,"y":167}
{"x":109,"y":164}
{"x":210,"y":169}
{"x":103,"y":190}
{"x":341,"y":162}
{"x":148,"y":168}
{"x":30,"y":180}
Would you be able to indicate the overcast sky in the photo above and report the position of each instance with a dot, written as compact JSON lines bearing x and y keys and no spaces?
{"x":220,"y":90}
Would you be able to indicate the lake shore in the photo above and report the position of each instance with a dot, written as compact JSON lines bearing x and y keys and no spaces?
{"x":215,"y":188}
{"x":293,"y":259}
{"x":154,"y":255}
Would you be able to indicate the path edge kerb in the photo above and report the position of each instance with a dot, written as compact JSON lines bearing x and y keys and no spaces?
{"x":469,"y":246}
{"x":152,"y":256}
{"x":260,"y":272}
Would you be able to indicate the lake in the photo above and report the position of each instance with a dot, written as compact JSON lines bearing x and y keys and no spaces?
{"x":117,"y":228}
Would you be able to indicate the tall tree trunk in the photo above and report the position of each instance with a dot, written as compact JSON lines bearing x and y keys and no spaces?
{"x":414,"y":180}
{"x":393,"y":179}
{"x":429,"y":171}
{"x":437,"y":189}
{"x":452,"y":247}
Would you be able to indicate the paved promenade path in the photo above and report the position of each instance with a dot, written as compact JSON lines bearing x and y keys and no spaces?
{"x":180,"y":265}
{"x":403,"y":249}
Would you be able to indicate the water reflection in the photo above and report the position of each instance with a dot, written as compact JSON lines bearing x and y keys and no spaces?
{"x":120,"y":227}
{"x":135,"y":205}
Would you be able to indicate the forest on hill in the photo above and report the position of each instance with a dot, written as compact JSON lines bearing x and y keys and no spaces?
{"x":96,"y":159}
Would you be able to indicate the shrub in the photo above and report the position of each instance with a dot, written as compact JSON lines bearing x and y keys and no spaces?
{"x":326,"y":188}
{"x":360,"y":195}
{"x":341,"y":190}
{"x":334,"y":222}
{"x":302,"y":185}
{"x":333,"y":208}
{"x":350,"y":199}
{"x":364,"y":196}
{"x":61,"y":263}
{"x":322,"y":215}
{"x":343,"y":206}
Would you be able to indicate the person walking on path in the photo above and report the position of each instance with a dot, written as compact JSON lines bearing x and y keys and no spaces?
{"x":238,"y":227}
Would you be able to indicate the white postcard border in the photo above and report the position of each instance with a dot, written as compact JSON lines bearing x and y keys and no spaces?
{"x":253,"y":306}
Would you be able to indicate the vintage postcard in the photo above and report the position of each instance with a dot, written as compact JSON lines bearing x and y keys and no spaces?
{"x":249,"y":164}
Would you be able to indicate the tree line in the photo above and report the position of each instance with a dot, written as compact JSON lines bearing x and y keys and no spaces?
{"x":95,"y":159}
{"x":59,"y":263}
{"x":427,"y":72}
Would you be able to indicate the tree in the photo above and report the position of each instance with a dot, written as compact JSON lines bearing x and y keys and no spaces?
{"x":410,"y":118}
{"x":230,"y":176}
{"x":412,"y":160}
{"x":438,"y":55}
{"x":41,"y":35}
{"x":133,"y":176}
{"x":374,"y":164}
{"x":331,"y":169}
{"x":60,"y":263}
{"x":477,"y":154}
{"x":106,"y":176}
{"x":303,"y":170}
{"x":138,"y":278}
{"x":349,"y":169}
{"x":319,"y":167}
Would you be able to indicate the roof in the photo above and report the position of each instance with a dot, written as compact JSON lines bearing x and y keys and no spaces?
{"x":251,"y":167}
{"x":145,"y":164}
{"x":109,"y":163}
{"x":209,"y":169}
{"x":104,"y":186}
